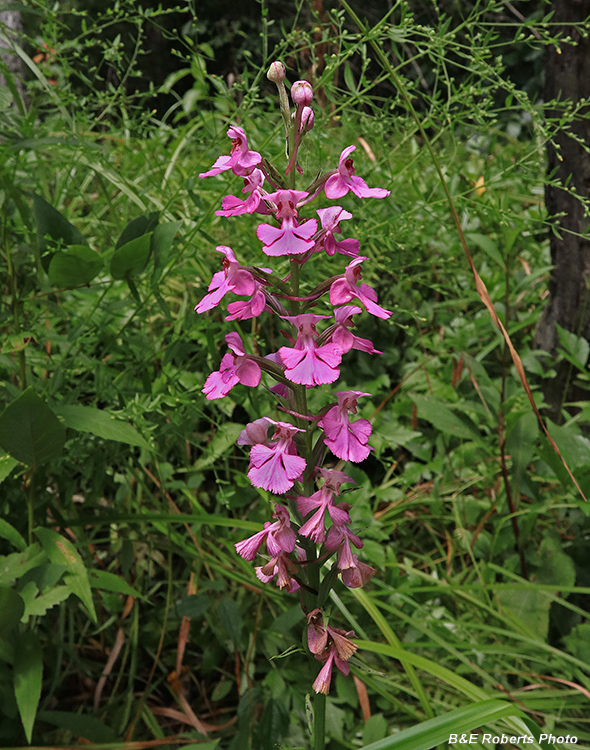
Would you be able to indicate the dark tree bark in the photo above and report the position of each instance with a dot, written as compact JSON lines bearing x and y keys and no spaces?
{"x":11,"y":28}
{"x":567,"y":80}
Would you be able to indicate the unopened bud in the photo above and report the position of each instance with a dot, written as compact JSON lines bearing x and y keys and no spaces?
{"x":302,"y":93}
{"x":307,"y":119}
{"x":276,"y":72}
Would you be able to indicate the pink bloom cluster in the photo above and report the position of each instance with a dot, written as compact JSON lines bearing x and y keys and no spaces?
{"x":287,"y":457}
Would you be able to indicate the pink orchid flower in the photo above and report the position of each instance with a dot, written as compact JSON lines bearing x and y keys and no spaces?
{"x":232,"y":206}
{"x":338,"y":185}
{"x":278,"y":535}
{"x":307,"y":363}
{"x":234,"y":278}
{"x":343,"y":337}
{"x":330,"y":219}
{"x":241,"y":160}
{"x":345,"y":289}
{"x":322,"y":501}
{"x":235,"y":368}
{"x":274,"y":464}
{"x":291,"y":238}
{"x":347,"y":440}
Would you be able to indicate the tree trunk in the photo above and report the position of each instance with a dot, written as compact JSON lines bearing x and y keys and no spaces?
{"x":567,"y":81}
{"x":11,"y":29}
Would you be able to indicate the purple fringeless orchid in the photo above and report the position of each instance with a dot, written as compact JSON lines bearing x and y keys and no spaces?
{"x":311,"y":524}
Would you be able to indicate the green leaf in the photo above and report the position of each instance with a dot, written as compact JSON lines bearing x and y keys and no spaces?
{"x":105,"y":581}
{"x":225,"y":437}
{"x":531,"y":607}
{"x":576,"y":347}
{"x":9,"y":533}
{"x":375,"y":729}
{"x":137,"y":228}
{"x":7,"y":464}
{"x":161,"y":243}
{"x":12,"y":607}
{"x":488,"y":245}
{"x":193,"y":606}
{"x":40,"y":604}
{"x":30,"y":431}
{"x":436,"y":731}
{"x":100,"y":423}
{"x":82,"y":726}
{"x":28,"y":675}
{"x":520,"y":444}
{"x":439,"y":415}
{"x":274,"y":724}
{"x":49,"y":221}
{"x":78,"y":265}
{"x":231,"y":619}
{"x":13,"y":567}
{"x":62,"y":552}
{"x":131,"y":258}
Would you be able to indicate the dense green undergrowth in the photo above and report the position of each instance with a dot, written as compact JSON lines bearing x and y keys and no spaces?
{"x":123,"y":491}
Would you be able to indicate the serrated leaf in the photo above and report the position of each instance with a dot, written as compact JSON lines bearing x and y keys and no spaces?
{"x":62,"y":552}
{"x":100,"y":423}
{"x":13,"y":567}
{"x":49,"y":221}
{"x":30,"y":431}
{"x":225,"y":437}
{"x":40,"y":604}
{"x":78,"y":265}
{"x":131,"y":258}
{"x":28,"y":676}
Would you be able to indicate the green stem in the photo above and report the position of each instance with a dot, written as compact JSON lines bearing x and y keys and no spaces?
{"x":31,"y":503}
{"x":319,"y":722}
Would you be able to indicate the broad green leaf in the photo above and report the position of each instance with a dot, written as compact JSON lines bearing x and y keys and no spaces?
{"x":531,"y":607}
{"x":231,"y":619}
{"x":28,"y":675}
{"x":274,"y":724}
{"x":100,"y":423}
{"x":30,"y":431}
{"x":131,"y":258}
{"x":520,"y":444}
{"x":375,"y":729}
{"x":436,"y":731}
{"x":105,"y":581}
{"x":62,"y":552}
{"x":224,"y":438}
{"x":576,"y":347}
{"x":82,"y":726}
{"x":78,"y":265}
{"x":49,"y":221}
{"x":138,"y":227}
{"x":439,"y":415}
{"x":488,"y":245}
{"x":9,"y":533}
{"x":161,"y":243}
{"x":7,"y":464}
{"x":193,"y":606}
{"x":12,"y":607}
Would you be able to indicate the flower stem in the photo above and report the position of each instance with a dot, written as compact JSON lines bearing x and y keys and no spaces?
{"x":319,"y":722}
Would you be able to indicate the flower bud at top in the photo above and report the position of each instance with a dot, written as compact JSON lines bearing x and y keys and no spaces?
{"x":276,"y":72}
{"x":302,"y":93}
{"x":307,"y":120}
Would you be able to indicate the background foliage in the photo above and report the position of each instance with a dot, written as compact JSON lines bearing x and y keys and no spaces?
{"x":125,"y":614}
